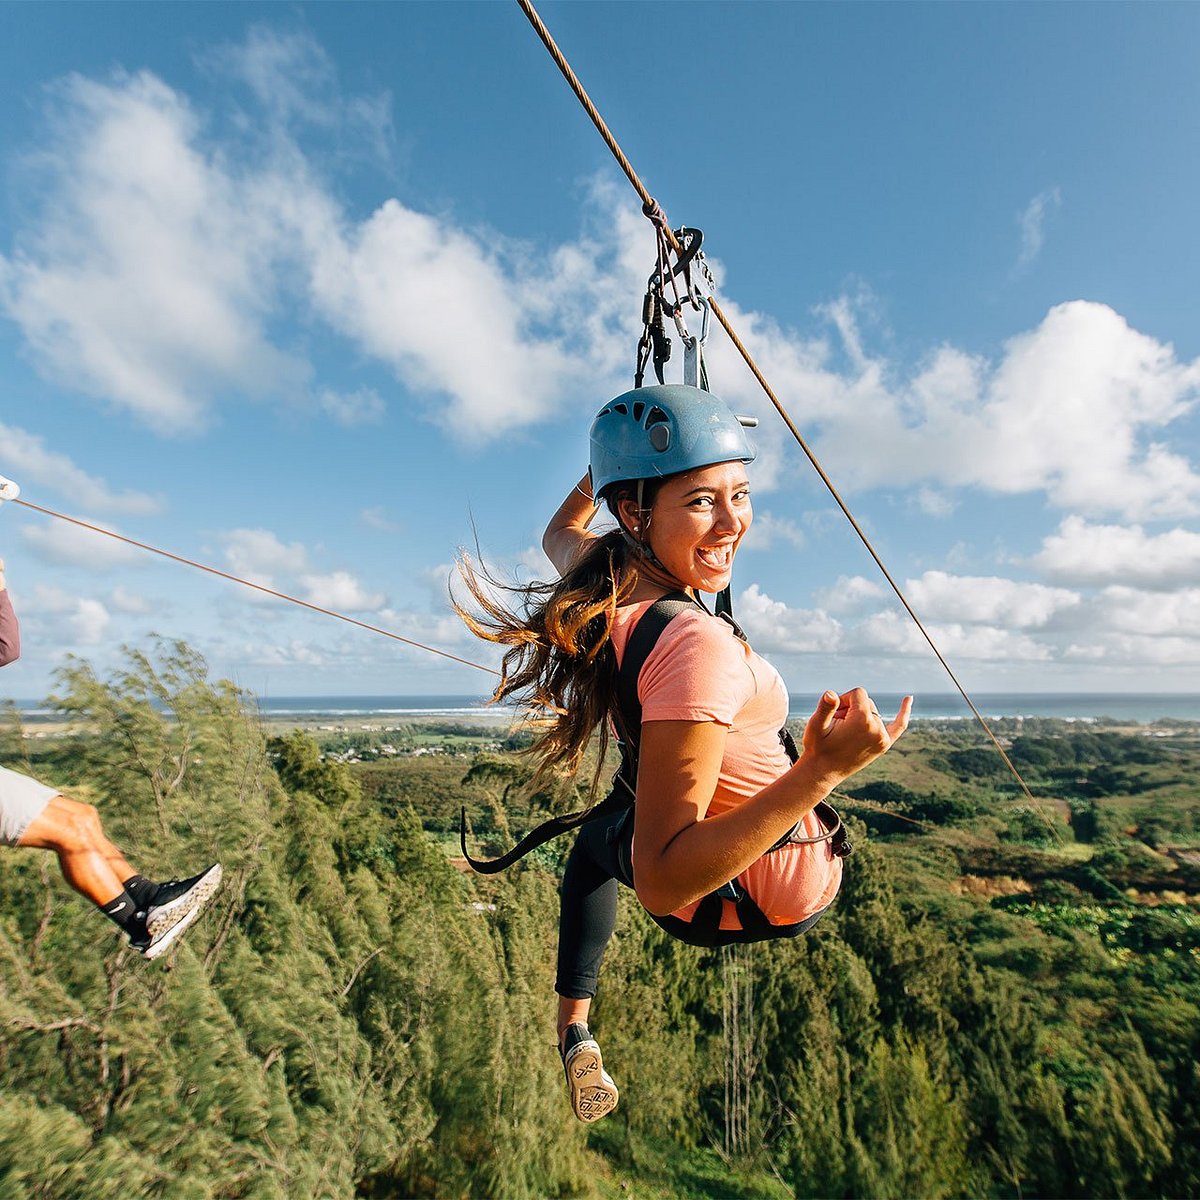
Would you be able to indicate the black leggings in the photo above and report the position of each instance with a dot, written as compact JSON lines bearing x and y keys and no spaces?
{"x":601,"y":857}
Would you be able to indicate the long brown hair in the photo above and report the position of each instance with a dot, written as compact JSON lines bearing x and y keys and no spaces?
{"x":560,"y":666}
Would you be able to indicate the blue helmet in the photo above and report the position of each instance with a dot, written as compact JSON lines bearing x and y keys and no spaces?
{"x":662,"y":430}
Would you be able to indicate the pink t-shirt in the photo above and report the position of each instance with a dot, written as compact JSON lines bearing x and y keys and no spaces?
{"x":700,"y":670}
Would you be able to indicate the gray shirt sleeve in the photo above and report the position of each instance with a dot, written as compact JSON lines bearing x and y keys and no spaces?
{"x":10,"y":632}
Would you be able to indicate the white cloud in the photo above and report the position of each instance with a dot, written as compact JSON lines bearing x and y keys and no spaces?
{"x":1077,"y":408}
{"x":772,"y":626}
{"x":72,"y":620}
{"x":73,"y":546}
{"x":414,"y":292}
{"x":894,"y":634}
{"x":258,"y":555}
{"x":1081,"y":553}
{"x":163,"y":256}
{"x":146,"y":281}
{"x":1152,"y":614}
{"x":27,"y":457}
{"x":339,"y":590}
{"x":934,"y":503}
{"x":129,"y":603}
{"x":1032,"y":223}
{"x":850,"y":594}
{"x":295,"y":82}
{"x":376,"y":518}
{"x":1137,"y":650}
{"x":938,"y":596}
{"x":363,"y":407}
{"x":768,"y":529}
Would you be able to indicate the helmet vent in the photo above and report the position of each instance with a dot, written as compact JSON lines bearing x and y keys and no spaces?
{"x":621,"y":409}
{"x":656,"y":416}
{"x":660,"y":436}
{"x":638,"y":409}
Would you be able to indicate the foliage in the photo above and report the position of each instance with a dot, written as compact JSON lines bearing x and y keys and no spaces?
{"x":357,"y":1017}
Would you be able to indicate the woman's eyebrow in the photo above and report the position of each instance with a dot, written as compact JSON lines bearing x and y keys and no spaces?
{"x":712,"y":491}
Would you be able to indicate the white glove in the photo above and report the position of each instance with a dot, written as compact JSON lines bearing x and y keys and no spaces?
{"x":8,"y":490}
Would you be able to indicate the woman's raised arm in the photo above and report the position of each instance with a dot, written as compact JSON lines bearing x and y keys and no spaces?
{"x":567,"y":533}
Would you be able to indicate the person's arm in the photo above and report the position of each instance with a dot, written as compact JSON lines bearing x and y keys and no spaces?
{"x":678,"y":855}
{"x":10,"y":632}
{"x":567,"y":534}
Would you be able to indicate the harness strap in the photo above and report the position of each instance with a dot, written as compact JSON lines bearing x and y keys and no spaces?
{"x":627,"y":716}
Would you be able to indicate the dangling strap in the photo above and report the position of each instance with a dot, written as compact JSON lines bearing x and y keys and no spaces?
{"x":627,"y":712}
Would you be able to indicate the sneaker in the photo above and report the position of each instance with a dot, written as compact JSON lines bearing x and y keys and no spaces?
{"x":593,"y":1093}
{"x":176,"y":905}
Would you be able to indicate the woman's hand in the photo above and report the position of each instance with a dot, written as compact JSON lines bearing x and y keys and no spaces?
{"x":846,"y":733}
{"x":567,"y":534}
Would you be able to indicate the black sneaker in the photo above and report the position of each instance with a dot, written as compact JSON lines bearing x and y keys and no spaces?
{"x":593,"y":1093}
{"x":177,"y":903}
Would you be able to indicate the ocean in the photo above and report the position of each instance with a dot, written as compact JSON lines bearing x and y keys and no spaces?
{"x":1079,"y":706}
{"x":1143,"y":707}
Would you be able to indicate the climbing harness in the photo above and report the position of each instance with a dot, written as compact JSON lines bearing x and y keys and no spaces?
{"x":626,"y":711}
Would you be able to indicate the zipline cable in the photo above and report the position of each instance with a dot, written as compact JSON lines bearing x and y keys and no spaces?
{"x":652,"y":210}
{"x":258,"y":587}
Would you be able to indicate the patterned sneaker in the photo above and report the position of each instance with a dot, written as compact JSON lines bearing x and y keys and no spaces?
{"x":176,"y":905}
{"x":593,"y":1093}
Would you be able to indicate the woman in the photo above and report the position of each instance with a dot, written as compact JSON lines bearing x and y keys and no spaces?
{"x":721,"y":810}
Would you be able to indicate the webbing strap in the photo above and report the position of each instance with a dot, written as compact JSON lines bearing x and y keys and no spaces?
{"x":643,"y":639}
{"x":627,"y":712}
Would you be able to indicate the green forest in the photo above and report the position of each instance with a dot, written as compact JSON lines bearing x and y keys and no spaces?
{"x":1004,"y":1001}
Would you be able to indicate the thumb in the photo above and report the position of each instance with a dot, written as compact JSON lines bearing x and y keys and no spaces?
{"x":827,"y":705}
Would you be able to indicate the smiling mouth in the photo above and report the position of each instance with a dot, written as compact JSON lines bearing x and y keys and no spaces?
{"x":716,"y":557}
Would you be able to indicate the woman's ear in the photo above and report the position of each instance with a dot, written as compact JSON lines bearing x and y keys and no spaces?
{"x":628,"y":514}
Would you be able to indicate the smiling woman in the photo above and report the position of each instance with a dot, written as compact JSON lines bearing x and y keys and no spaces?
{"x":735,"y":842}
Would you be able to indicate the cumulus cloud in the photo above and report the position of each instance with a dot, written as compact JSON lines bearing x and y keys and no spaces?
{"x":850,"y":594}
{"x":146,"y":280}
{"x":166,"y":250}
{"x":339,"y":590}
{"x":73,"y":546}
{"x":29,"y":460}
{"x":1083,"y":554}
{"x":122,"y":600}
{"x":939,"y":596}
{"x":772,"y":625}
{"x":69,"y":620}
{"x":260,"y":557}
{"x":768,"y":530}
{"x":894,"y":634}
{"x":1151,"y":614}
{"x":1077,"y":408}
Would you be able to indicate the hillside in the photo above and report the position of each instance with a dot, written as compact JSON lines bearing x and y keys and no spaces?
{"x":1005,"y":999}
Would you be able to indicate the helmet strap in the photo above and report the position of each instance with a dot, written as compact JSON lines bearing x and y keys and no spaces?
{"x":637,"y":540}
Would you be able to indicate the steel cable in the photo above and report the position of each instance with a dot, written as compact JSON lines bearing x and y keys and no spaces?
{"x":651,"y":208}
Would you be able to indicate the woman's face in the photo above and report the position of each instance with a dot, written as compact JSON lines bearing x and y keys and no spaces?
{"x":697,"y":521}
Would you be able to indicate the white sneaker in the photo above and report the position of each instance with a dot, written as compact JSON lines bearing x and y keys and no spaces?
{"x":176,"y":905}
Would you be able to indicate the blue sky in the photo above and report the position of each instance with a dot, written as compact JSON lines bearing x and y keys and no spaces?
{"x":321,"y":293}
